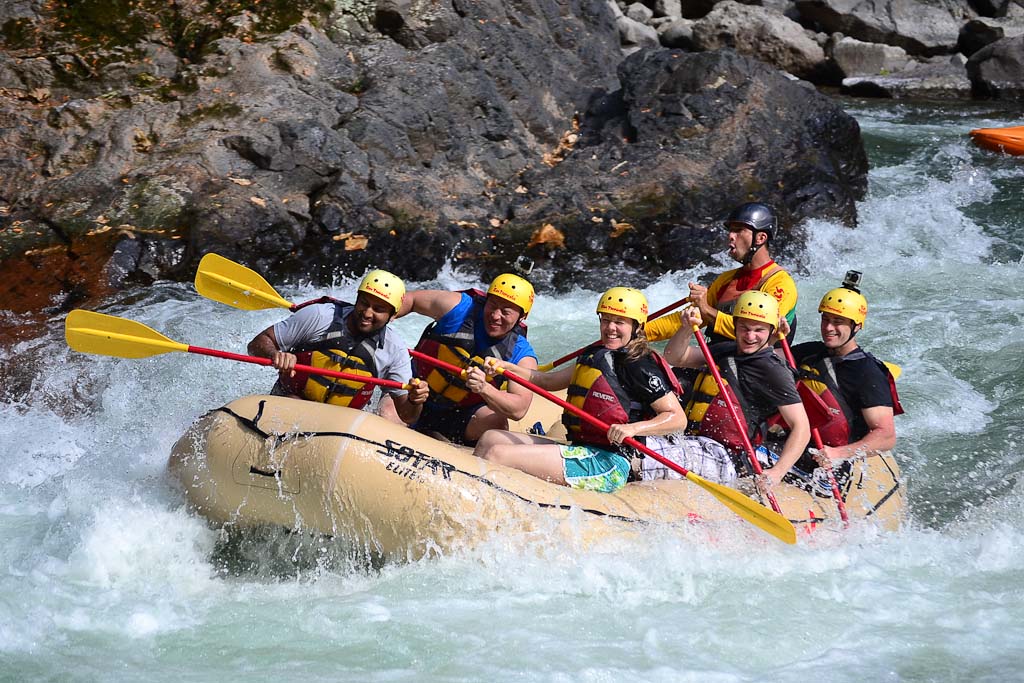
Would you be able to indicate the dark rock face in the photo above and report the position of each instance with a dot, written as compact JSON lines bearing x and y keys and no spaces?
{"x":403,"y":134}
{"x":997,"y":70}
{"x":661,"y":162}
{"x":919,"y":27}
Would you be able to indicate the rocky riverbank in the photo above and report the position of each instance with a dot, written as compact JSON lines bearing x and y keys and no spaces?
{"x":308,"y":138}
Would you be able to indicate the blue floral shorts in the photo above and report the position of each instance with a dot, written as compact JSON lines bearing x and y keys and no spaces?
{"x":594,"y":469}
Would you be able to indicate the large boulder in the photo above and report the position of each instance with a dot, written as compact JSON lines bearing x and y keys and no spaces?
{"x":921,"y":28}
{"x":997,"y":70}
{"x":392,"y":134}
{"x":856,"y":58}
{"x":661,"y":161}
{"x":977,"y":33}
{"x":761,"y":33}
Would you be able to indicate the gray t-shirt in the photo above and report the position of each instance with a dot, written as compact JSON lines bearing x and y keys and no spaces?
{"x":309,"y":325}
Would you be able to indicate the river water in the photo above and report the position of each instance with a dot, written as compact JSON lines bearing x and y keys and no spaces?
{"x":107,"y":576}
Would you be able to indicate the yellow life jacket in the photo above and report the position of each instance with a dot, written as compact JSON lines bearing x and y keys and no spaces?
{"x":708,"y":414}
{"x":595,"y":388}
{"x":340,"y":351}
{"x":458,"y":348}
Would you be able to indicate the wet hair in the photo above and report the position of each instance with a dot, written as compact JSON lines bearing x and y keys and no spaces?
{"x":638,"y":347}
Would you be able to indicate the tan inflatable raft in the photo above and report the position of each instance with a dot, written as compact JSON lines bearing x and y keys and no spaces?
{"x":266,"y":460}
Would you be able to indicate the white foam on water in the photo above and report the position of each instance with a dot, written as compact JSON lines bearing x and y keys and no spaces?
{"x":109,"y":577}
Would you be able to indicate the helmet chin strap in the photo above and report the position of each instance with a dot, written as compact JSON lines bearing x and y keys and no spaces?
{"x":854,"y":329}
{"x":753,"y":248}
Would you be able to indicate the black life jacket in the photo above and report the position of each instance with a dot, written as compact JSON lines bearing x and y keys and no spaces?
{"x":458,"y":348}
{"x":340,"y":351}
{"x":595,"y":388}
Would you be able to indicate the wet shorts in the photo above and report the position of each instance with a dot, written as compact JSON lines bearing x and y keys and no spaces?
{"x":594,"y":469}
{"x":703,"y":456}
{"x":449,"y":422}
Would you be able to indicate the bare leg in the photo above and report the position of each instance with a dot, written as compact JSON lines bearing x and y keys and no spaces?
{"x":503,"y":437}
{"x":532,"y":454}
{"x":484,"y":420}
{"x":386,"y":409}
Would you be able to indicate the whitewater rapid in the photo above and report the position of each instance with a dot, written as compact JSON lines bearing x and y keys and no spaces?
{"x":107,"y":576}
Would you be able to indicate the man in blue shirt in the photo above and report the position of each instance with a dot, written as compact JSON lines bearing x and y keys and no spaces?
{"x":468,"y":327}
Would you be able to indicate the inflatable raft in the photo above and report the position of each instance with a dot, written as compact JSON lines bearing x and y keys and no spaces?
{"x":1006,"y":140}
{"x":398,"y":494}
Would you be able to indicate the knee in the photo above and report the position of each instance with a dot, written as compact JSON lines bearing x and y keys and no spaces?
{"x":485,"y":446}
{"x":498,"y":453}
{"x":483,"y":422}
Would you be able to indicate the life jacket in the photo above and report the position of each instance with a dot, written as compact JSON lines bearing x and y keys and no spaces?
{"x":727,"y":307}
{"x":595,"y":388}
{"x":458,"y":348}
{"x":708,"y":413}
{"x":340,"y":351}
{"x":817,"y":372}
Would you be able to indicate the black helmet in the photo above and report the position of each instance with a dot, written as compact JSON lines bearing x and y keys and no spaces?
{"x":755,"y":215}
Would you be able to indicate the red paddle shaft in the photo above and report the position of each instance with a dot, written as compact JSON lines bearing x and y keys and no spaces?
{"x":583,"y":415}
{"x":816,"y":435}
{"x":309,"y":369}
{"x":741,"y":427}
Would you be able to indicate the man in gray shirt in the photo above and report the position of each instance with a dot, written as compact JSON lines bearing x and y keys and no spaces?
{"x":351,"y":338}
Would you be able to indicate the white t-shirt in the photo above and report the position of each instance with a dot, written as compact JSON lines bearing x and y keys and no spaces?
{"x":309,"y":325}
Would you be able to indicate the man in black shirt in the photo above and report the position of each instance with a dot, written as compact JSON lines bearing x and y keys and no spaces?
{"x":758,"y":381}
{"x":858,"y":386}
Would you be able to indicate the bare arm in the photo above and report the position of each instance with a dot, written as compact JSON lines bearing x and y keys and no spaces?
{"x":679,"y":351}
{"x":265,"y":345}
{"x":881,"y":435}
{"x":514,"y":400}
{"x":669,"y":418}
{"x":796,"y":442}
{"x":433,"y":303}
{"x":409,"y":405}
{"x":699,"y":296}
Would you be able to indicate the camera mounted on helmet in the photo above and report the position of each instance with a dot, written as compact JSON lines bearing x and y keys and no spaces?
{"x":847,"y":302}
{"x":852,"y":280}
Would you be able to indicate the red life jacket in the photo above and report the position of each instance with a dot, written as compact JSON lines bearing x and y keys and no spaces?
{"x":339,"y":350}
{"x":595,"y":388}
{"x":458,"y":348}
{"x":818,"y":373}
{"x":708,"y":413}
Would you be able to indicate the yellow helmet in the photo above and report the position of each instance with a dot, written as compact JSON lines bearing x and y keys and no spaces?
{"x":757,"y":305}
{"x":845,"y":303}
{"x":624,"y":301}
{"x":515,"y":289}
{"x":384,"y":285}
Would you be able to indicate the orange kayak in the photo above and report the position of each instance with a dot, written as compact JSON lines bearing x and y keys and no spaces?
{"x":1007,"y":140}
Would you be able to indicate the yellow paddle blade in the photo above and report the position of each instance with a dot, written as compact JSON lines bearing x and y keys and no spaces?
{"x":894,"y":369}
{"x":107,"y":335}
{"x":233,"y":284}
{"x":764,"y":519}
